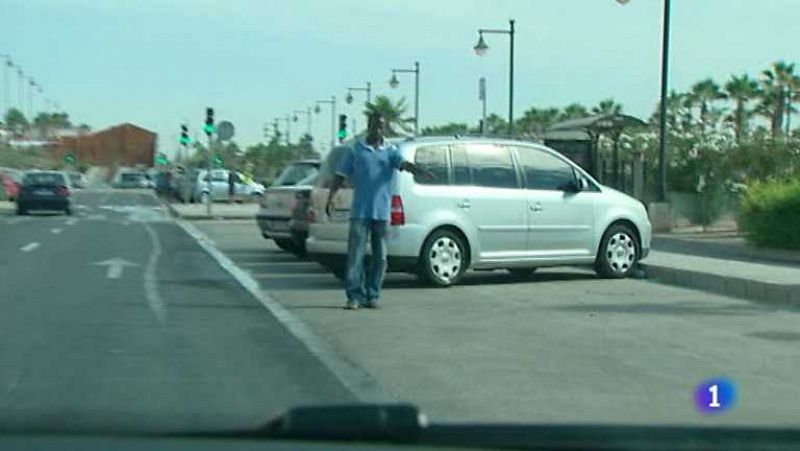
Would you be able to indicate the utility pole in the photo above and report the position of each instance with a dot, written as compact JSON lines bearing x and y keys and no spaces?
{"x":482,"y":98}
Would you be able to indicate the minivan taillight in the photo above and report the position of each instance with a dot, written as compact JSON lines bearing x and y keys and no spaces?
{"x":398,"y":217}
{"x":62,"y":191}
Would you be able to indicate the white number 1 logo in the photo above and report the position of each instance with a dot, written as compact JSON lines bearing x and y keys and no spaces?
{"x":714,"y":389}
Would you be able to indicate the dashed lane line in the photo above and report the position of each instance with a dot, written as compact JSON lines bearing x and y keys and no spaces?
{"x":29,"y":247}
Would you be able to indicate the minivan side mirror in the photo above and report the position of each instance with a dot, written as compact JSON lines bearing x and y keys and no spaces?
{"x":583,"y":185}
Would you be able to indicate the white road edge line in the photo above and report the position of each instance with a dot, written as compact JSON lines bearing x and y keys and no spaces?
{"x":71,"y":221}
{"x":56,"y":231}
{"x":358,"y":381}
{"x":154,"y":299}
{"x":29,"y":247}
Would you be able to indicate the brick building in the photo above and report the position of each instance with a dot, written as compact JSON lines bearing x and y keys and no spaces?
{"x":120,"y":145}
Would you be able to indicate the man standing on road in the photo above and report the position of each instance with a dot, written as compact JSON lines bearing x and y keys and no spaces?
{"x":370,"y":167}
{"x":231,"y":185}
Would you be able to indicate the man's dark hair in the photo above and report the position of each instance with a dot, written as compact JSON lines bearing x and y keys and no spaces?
{"x":373,"y":117}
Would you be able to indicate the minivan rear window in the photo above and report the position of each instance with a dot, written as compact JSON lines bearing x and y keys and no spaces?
{"x":294,"y":173}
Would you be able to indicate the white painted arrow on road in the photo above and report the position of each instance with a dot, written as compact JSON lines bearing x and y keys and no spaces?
{"x":115,"y":267}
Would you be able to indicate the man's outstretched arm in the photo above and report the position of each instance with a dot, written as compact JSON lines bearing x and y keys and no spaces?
{"x":416,"y":170}
{"x":338,"y":181}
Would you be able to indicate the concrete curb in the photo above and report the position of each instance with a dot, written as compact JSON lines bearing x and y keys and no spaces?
{"x":190,"y":217}
{"x":778,"y":295}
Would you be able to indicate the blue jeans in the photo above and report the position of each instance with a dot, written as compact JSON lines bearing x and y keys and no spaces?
{"x":364,"y":287}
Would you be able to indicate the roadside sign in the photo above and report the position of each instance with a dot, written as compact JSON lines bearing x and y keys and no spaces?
{"x":224,"y":130}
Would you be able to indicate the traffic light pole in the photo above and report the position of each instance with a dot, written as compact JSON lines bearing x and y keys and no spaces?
{"x":208,"y":173}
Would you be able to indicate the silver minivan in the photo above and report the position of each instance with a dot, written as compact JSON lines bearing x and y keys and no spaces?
{"x":495,"y":204}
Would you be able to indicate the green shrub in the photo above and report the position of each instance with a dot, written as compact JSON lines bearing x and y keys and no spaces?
{"x":770,"y":214}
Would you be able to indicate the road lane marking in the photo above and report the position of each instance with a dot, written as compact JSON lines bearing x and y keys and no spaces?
{"x":115,"y":267}
{"x":154,"y":299}
{"x":29,"y":247}
{"x":357,"y":380}
{"x":55,"y":231}
{"x":72,"y":221}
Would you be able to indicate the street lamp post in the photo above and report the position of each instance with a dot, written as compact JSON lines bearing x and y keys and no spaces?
{"x":394,"y":82}
{"x":21,"y":91}
{"x":308,"y":118}
{"x":367,"y":89}
{"x":7,"y":90}
{"x":661,"y":185}
{"x":481,"y":48}
{"x":31,"y":85}
{"x":332,"y":103}
{"x":288,"y":121}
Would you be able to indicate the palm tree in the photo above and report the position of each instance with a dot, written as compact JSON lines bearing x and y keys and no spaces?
{"x":706,"y":92}
{"x":776,"y":83}
{"x":573,"y":111}
{"x":741,"y":90}
{"x":607,"y":106}
{"x":393,"y":114}
{"x":534,"y":121}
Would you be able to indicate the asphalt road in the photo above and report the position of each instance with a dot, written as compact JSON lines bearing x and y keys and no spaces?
{"x":116,"y":319}
{"x":561,"y":347}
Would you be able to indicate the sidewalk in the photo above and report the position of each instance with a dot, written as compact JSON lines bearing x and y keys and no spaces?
{"x":219,"y":210}
{"x":723,"y":263}
{"x":7,"y":207}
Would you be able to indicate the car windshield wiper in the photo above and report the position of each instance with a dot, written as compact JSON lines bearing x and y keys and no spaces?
{"x":406,"y":424}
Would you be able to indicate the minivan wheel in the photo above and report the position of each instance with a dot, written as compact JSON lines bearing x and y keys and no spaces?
{"x":443,"y":259}
{"x":521,"y":273}
{"x":618,"y":253}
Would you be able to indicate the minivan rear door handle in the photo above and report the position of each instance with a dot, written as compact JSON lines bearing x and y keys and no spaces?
{"x":464,"y":204}
{"x":537,"y":207}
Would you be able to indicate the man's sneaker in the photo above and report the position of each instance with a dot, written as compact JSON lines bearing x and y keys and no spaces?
{"x":372,"y":304}
{"x":351,"y":305}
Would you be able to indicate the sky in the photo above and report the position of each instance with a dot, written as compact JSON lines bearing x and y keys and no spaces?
{"x":160,"y":63}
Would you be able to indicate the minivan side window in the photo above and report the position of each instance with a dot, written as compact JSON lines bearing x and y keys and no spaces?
{"x":434,"y":159}
{"x":491,"y":166}
{"x":462,"y":175}
{"x":544,"y":171}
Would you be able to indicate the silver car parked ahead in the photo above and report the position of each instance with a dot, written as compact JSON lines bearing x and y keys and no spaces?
{"x":494,"y":204}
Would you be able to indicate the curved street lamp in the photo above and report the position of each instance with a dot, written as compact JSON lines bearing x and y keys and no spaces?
{"x":481,"y":47}
{"x":394,"y":82}
{"x":332,"y":103}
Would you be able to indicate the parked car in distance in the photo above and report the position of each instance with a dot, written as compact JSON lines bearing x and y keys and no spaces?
{"x":244,"y":189}
{"x":44,"y":190}
{"x":495,"y":204}
{"x":132,"y":179}
{"x":77,"y":180}
{"x":11,"y":180}
{"x":283,"y":213}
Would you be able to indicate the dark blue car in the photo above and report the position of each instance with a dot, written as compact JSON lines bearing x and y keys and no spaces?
{"x":44,"y":190}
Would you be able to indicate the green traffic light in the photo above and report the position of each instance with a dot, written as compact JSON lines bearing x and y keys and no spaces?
{"x":341,"y":134}
{"x":184,"y":140}
{"x":209,"y":129}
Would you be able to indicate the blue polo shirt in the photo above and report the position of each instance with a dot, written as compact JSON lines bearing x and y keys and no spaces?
{"x":370,"y":171}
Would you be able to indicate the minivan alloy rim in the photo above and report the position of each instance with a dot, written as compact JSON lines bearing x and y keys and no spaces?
{"x":444,"y":259}
{"x":620,"y":252}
